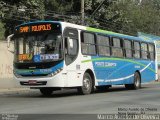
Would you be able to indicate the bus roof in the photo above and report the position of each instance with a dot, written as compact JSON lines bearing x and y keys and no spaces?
{"x":110,"y":33}
{"x":42,"y":21}
{"x":114,"y":34}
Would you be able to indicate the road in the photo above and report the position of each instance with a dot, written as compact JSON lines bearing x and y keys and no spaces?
{"x":115,"y":100}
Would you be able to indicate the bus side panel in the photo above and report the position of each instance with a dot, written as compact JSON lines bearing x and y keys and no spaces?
{"x":149,"y":72}
{"x":110,"y":71}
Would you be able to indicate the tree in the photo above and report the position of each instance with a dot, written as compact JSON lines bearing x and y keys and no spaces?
{"x":19,"y":11}
{"x":130,"y":17}
{"x":124,"y":16}
{"x":140,"y":17}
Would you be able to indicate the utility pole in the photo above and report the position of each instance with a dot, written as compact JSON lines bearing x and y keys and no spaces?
{"x":139,"y":2}
{"x":82,"y":12}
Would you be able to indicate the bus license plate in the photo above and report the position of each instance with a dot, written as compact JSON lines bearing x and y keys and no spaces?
{"x":32,"y":82}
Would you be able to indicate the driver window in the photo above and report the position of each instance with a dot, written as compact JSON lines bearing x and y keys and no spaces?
{"x":71,"y":45}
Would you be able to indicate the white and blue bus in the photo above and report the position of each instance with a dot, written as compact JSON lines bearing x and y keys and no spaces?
{"x":51,"y":55}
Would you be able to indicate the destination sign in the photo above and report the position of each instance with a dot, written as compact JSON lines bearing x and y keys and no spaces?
{"x":39,"y":27}
{"x":22,"y":57}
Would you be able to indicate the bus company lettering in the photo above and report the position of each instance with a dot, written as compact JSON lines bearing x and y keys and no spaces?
{"x":105,"y":64}
{"x":41,"y":27}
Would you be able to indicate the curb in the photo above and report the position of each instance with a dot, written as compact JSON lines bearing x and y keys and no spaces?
{"x":9,"y":90}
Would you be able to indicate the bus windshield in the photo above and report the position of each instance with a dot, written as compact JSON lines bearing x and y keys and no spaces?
{"x":44,"y":47}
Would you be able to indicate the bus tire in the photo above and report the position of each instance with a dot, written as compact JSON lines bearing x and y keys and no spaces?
{"x":87,"y":86}
{"x":136,"y":84}
{"x":46,"y":91}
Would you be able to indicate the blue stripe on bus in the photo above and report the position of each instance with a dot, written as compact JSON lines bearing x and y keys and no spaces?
{"x":40,"y":71}
{"x":121,"y":71}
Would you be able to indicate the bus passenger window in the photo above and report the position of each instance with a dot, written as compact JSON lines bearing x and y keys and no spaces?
{"x":144,"y":51}
{"x":136,"y":47}
{"x":151,"y":52}
{"x":128,"y":48}
{"x":117,"y":49}
{"x":88,"y":44}
{"x":103,"y":45}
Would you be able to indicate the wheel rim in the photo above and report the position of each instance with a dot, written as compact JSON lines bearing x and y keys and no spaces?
{"x":137,"y":80}
{"x":86,"y":84}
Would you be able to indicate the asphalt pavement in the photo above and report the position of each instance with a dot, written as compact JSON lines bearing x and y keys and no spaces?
{"x":67,"y":104}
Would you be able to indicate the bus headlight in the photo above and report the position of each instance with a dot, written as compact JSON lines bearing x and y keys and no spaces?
{"x":17,"y":75}
{"x":54,"y":73}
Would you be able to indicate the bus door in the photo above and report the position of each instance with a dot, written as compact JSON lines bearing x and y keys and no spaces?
{"x":71,"y":53}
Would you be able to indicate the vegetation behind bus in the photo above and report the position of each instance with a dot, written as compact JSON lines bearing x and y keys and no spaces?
{"x":123,"y":16}
{"x":2,"y":30}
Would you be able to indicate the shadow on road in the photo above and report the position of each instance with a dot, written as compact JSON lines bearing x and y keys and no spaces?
{"x":65,"y":93}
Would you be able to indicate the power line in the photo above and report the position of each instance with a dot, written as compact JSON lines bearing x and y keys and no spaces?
{"x":67,"y":16}
{"x":97,"y":8}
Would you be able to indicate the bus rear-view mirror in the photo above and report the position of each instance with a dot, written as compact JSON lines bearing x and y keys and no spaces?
{"x":9,"y":39}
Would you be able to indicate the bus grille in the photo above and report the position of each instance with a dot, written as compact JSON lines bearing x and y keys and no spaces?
{"x":34,"y":84}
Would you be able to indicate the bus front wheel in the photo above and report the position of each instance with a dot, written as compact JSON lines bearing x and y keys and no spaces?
{"x":46,"y":91}
{"x":87,"y":86}
{"x":137,"y":82}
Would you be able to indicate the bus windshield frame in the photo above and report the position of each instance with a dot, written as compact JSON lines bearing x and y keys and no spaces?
{"x":39,"y":46}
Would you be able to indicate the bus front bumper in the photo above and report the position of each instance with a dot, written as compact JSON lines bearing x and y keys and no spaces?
{"x":55,"y":81}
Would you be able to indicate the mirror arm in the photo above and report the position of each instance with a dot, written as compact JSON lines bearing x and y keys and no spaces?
{"x":8,"y":43}
{"x":9,"y":39}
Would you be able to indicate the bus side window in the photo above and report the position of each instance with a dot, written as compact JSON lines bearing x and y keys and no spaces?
{"x":136,"y":47}
{"x":144,"y":50}
{"x":117,"y":48}
{"x":88,"y":43}
{"x":151,"y":51}
{"x":103,"y":43}
{"x":128,"y":48}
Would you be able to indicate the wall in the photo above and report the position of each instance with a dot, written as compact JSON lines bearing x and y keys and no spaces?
{"x":6,"y":67}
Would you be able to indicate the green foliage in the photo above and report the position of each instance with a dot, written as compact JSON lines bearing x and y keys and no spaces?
{"x":1,"y":31}
{"x":16,"y":12}
{"x":60,"y":6}
{"x":138,"y":18}
{"x":124,"y":16}
{"x":130,"y":17}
